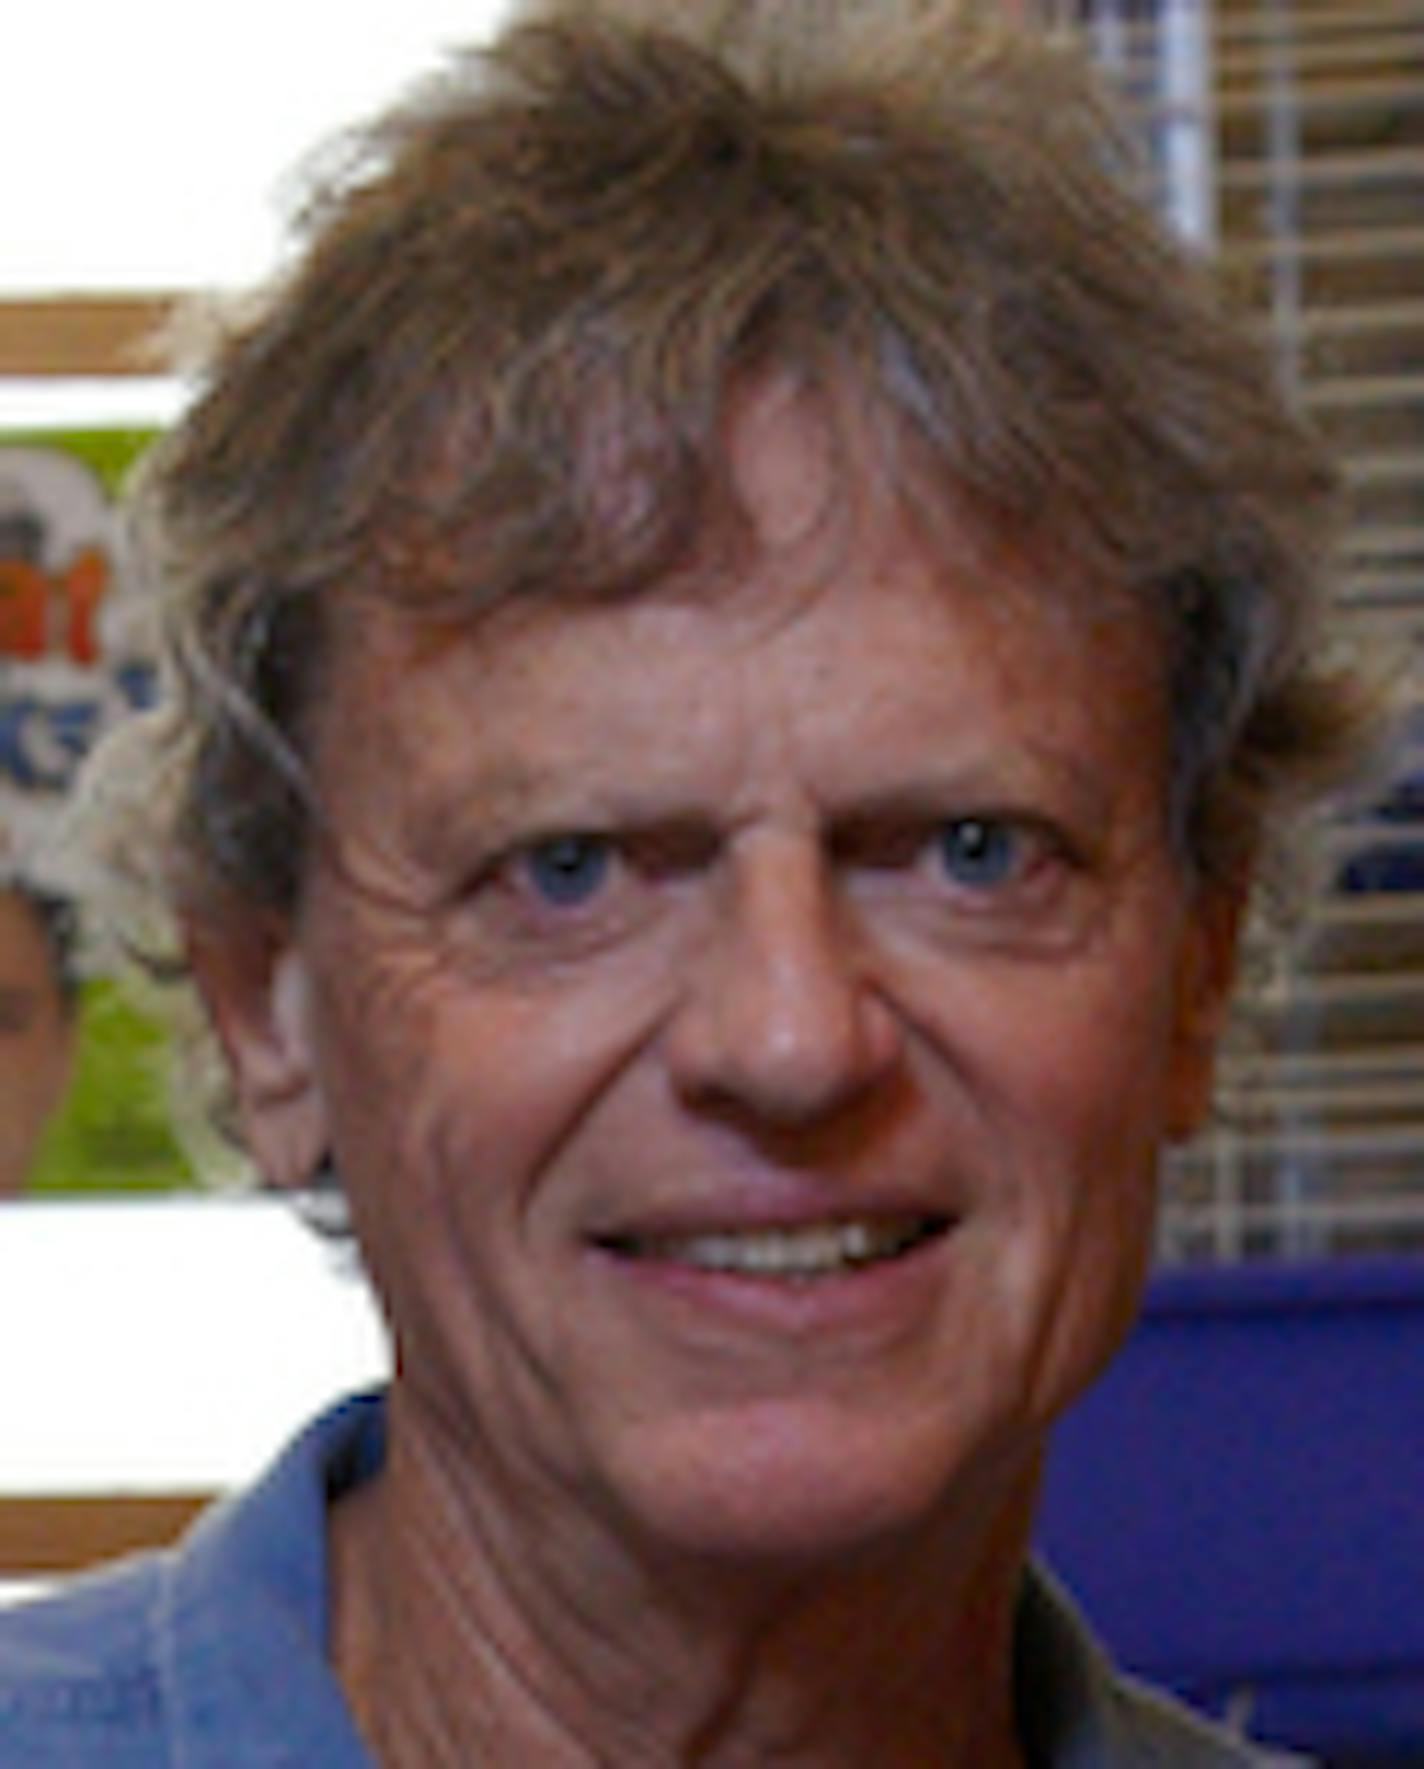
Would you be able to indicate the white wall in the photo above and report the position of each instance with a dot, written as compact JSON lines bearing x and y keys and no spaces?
{"x":144,"y":144}
{"x":168,"y":1344}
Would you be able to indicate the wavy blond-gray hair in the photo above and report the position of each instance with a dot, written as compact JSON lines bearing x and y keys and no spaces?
{"x":568,"y":249}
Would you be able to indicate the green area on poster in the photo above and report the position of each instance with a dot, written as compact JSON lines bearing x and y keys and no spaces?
{"x":114,"y":1133}
{"x":111,"y":453}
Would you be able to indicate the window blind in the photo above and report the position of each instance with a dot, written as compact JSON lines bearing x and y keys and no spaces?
{"x":1298,"y":126}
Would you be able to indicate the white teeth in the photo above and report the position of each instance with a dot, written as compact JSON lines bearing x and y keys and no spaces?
{"x":801,"y":1252}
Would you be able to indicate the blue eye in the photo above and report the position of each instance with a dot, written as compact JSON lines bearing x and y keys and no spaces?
{"x":568,"y":870}
{"x":980,"y":852}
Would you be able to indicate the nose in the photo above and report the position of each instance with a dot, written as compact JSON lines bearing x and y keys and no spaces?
{"x":779,"y":1020}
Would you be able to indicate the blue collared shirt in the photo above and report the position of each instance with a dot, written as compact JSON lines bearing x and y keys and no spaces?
{"x":213,"y":1655}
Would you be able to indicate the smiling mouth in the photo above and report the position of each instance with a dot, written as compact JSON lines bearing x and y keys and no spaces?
{"x":817,"y":1250}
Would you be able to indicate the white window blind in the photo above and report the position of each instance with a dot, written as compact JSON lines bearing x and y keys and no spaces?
{"x":1302,"y":122}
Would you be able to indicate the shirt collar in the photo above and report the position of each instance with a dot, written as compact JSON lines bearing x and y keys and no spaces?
{"x":243,"y":1619}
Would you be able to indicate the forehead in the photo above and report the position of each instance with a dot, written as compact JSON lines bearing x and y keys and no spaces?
{"x":850,"y":627}
{"x":805,"y":480}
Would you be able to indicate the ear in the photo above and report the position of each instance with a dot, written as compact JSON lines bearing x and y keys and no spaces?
{"x":254,"y":984}
{"x":1205,"y":981}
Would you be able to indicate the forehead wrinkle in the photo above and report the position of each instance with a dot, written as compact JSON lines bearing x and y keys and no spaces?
{"x":563,"y":765}
{"x":475,"y":746}
{"x":731,"y":782}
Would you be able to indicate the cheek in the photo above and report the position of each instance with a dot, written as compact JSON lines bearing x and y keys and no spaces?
{"x":1058,"y":1078}
{"x":1080,"y":1066}
{"x":1075,"y":1099}
{"x":462,"y":1093}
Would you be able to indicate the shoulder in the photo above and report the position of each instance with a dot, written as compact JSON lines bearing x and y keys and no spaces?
{"x":1078,"y":1711}
{"x":211,"y":1654}
{"x":1156,"y":1732}
{"x":79,"y":1675}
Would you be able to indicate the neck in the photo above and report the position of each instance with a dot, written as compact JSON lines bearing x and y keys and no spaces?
{"x":464,"y":1634}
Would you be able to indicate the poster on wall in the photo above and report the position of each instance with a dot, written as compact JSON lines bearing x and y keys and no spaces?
{"x":76,"y":655}
{"x":72,"y":643}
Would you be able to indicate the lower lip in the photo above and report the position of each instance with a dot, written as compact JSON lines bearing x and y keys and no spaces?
{"x":884,"y":1295}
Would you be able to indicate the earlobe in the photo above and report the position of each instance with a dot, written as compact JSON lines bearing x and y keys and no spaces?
{"x":256,"y":990}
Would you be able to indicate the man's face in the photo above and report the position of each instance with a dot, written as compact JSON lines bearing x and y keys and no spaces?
{"x":746,"y":1026}
{"x":36,"y":1039}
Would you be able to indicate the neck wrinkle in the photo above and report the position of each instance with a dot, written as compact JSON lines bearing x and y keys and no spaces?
{"x":452,"y":1648}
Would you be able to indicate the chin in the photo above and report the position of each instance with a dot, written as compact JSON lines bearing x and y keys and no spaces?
{"x":772,"y":1494}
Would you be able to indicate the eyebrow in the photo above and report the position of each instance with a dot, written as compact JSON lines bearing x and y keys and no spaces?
{"x":981,"y":787}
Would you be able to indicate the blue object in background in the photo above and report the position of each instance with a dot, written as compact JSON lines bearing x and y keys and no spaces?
{"x":1385,"y":866}
{"x":1239,"y":1502}
{"x":1390,"y":851}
